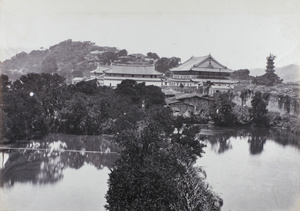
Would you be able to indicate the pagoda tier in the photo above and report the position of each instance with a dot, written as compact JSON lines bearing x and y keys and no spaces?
{"x":270,"y":64}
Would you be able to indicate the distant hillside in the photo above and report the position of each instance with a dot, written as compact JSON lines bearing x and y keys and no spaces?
{"x":70,"y":59}
{"x":67,"y":58}
{"x":289,"y":73}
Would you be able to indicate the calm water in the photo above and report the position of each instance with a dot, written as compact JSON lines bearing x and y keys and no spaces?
{"x":249,"y":169}
{"x":71,"y":175}
{"x":253,"y":169}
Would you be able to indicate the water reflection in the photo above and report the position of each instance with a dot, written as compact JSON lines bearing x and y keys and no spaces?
{"x":259,"y":172}
{"x":44,"y":161}
{"x":256,"y":144}
{"x":219,"y":138}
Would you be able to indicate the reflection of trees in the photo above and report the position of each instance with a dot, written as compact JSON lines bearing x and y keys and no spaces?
{"x":219,"y":138}
{"x":256,"y":144}
{"x":33,"y":167}
{"x":220,"y":142}
{"x":284,"y":138}
{"x":40,"y":166}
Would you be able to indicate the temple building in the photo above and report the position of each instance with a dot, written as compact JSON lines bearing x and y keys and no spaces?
{"x":140,"y":73}
{"x":198,"y":71}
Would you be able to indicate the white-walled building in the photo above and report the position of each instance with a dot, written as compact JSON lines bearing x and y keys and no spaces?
{"x":140,"y":73}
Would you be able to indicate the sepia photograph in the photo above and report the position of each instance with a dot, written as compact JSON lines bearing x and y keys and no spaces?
{"x":149,"y":105}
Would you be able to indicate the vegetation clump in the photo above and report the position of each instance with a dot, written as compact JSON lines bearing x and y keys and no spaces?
{"x":242,"y":74}
{"x":268,"y":79}
{"x":38,"y":104}
{"x":155,"y":170}
{"x":259,"y":110}
{"x":226,"y":113}
{"x":222,"y":110}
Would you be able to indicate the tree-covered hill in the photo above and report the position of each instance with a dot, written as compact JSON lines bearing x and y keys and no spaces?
{"x":73,"y":58}
{"x":68,"y":59}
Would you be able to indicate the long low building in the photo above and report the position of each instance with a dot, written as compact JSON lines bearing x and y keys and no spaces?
{"x":140,"y":73}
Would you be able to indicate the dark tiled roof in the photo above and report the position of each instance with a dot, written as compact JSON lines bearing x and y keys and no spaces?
{"x":133,"y":69}
{"x":204,"y":63}
{"x":190,"y":95}
{"x":180,"y":103}
{"x":189,"y":63}
{"x":187,"y":95}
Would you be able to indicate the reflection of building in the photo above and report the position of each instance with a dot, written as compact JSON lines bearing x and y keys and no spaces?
{"x":198,"y":71}
{"x":140,"y":73}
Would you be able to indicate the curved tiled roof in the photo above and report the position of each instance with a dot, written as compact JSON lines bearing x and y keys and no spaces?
{"x":133,"y":69}
{"x":190,"y":63}
{"x":204,"y":63}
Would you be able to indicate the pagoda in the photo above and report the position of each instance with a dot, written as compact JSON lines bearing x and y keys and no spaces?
{"x":270,"y":64}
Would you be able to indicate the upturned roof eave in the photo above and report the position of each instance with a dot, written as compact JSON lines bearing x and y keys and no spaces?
{"x":198,"y":61}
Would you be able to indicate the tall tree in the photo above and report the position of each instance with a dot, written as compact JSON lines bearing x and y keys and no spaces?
{"x":152,"y":55}
{"x":164,"y":64}
{"x":259,"y":110}
{"x":155,"y":172}
{"x":122,"y":53}
{"x":222,"y":111}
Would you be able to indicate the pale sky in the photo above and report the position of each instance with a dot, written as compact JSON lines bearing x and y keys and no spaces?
{"x":238,"y":33}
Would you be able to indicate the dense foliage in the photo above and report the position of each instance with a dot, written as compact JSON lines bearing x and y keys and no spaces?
{"x":155,"y":170}
{"x":222,"y":110}
{"x":259,"y":110}
{"x":268,"y":79}
{"x":152,"y":55}
{"x":225,"y":113}
{"x":37,"y":104}
{"x":68,"y":59}
{"x":164,"y":64}
{"x":242,"y":74}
